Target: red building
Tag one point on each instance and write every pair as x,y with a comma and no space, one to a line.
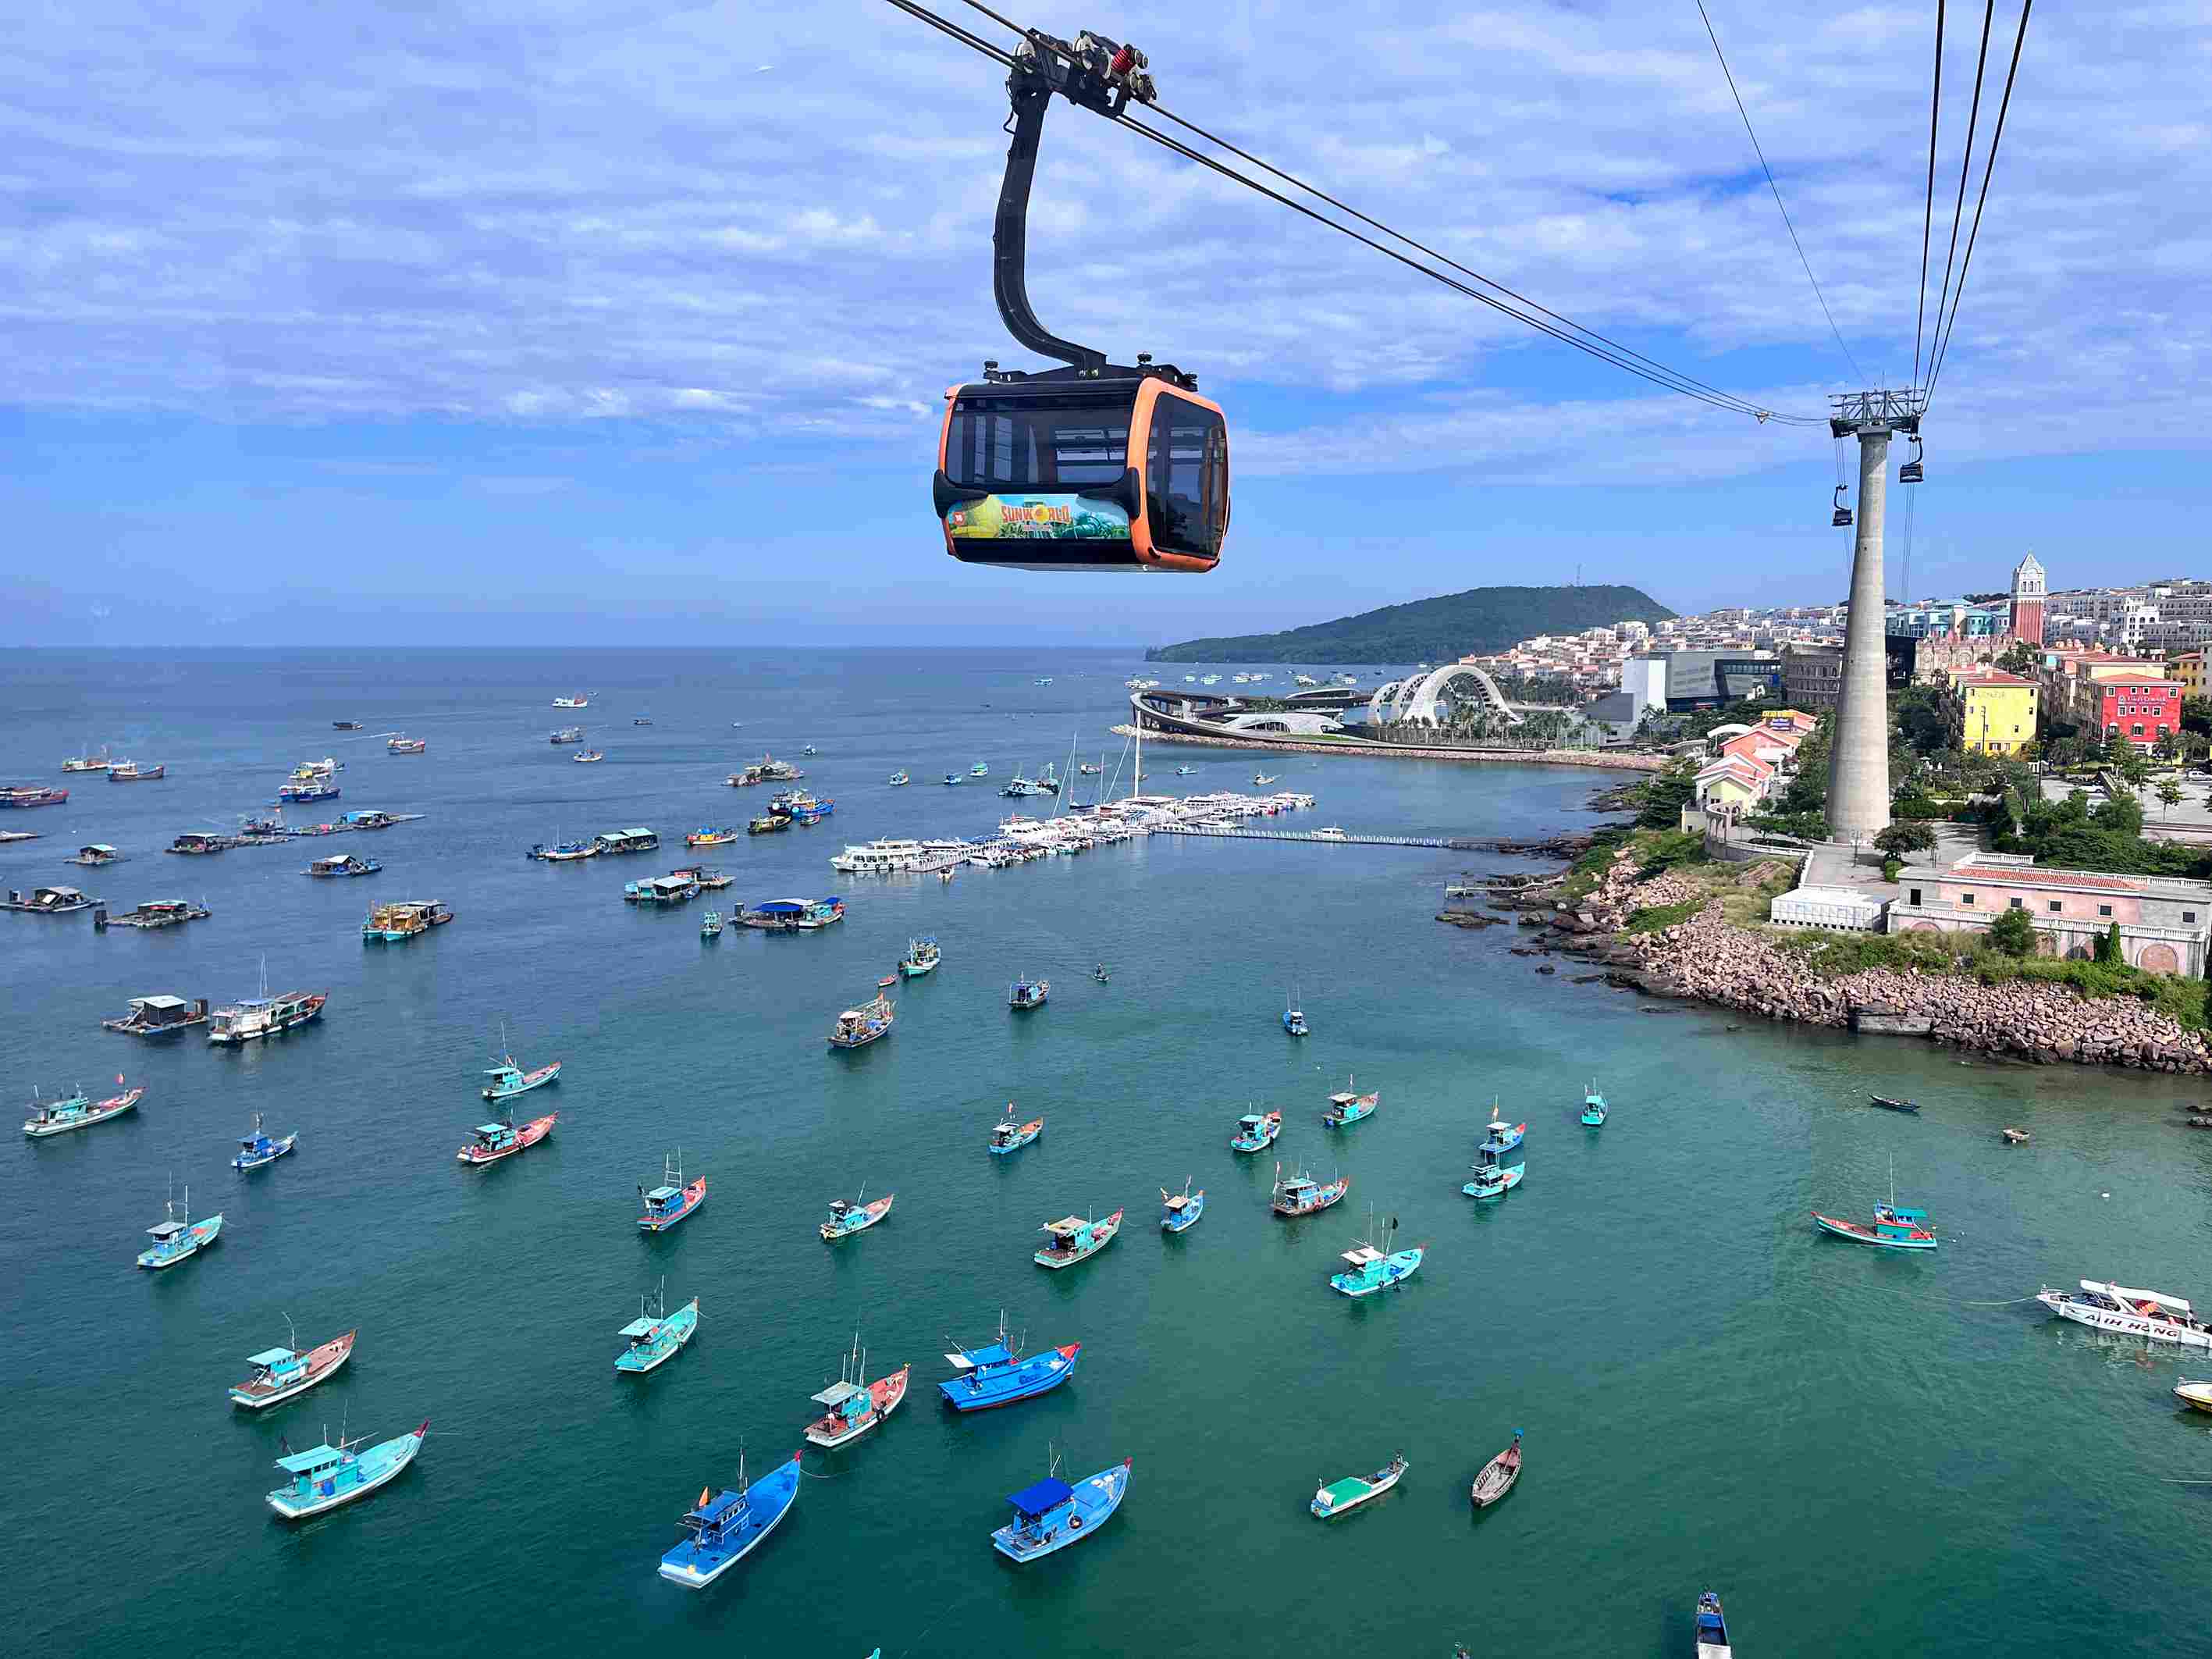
2140,710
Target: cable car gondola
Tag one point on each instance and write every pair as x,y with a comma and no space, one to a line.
1842,519
1912,472
1094,466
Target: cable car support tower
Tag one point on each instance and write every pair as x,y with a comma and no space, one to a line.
1858,761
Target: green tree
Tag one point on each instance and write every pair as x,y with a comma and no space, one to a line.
2014,933
1906,835
2018,659
2108,947
2169,794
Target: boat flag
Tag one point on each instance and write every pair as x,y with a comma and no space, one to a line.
284,1444
703,1496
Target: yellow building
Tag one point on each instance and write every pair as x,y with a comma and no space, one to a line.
1993,711
2189,669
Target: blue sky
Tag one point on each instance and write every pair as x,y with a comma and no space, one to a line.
592,321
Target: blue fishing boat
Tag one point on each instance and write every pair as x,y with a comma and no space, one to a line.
1893,1229
258,1149
1301,1194
1368,1269
979,770
846,1219
656,1335
1498,1161
1347,1108
674,1199
951,779
1011,1137
900,780
1294,1021
508,1080
174,1240
1052,1515
281,1373
710,924
327,1476
79,1111
1074,1238
856,1028
1256,1132
812,809
565,851
997,1375
1024,993
920,958
1592,1107
1179,1211
725,1526
1712,1628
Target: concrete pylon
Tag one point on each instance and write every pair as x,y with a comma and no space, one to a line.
1858,762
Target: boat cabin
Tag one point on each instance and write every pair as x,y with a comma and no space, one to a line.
845,1402
154,913
158,1016
275,1369
165,1235
662,889
1364,1256
629,841
641,1331
200,840
50,901
492,1136
97,851
317,1466
661,1200
368,819
1038,1502
343,864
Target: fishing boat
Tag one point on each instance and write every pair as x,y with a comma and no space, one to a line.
1593,1107
395,924
856,1028
1884,1101
710,924
900,780
814,914
1100,975
1009,1136
49,900
673,1199
852,1406
656,1335
341,863
952,779
996,1374
264,1015
768,824
508,1080
1185,771
1179,1211
1368,1269
81,1111
2151,1315
258,1149
493,1141
1499,1162
1256,1132
846,1219
328,1476
95,854
1893,1229
1024,993
345,725
131,772
1301,1194
728,1526
1075,1238
401,745
587,757
159,1016
712,835
1262,778
1294,1017
580,701
565,735
175,1241
279,1374
300,791
637,840
920,958
566,851
95,761
2015,1137
640,719
979,770
152,913
1052,1515
1347,1108
1332,1498
2198,1394
31,794
1496,1477
1712,1628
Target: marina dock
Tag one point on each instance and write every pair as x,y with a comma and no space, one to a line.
1342,838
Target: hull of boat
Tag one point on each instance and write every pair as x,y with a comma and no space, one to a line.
1512,1179
2198,1394
1039,1375
1093,1502
397,1454
537,1080
1238,1144
527,1136
1020,1140
1345,1119
323,1363
916,969
1401,1266
695,1565
886,1395
1068,1258
1496,1480
2126,1324
1182,1220
680,1327
1860,1234
1333,1500
1323,1198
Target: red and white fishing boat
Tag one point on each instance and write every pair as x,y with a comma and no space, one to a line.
495,1141
54,1117
674,1199
851,1406
280,1373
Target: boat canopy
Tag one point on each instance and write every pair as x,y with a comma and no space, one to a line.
837,1394
660,1195
1043,1498
990,1353
781,907
639,1328
160,1005
490,1131
163,1231
2172,1302
1365,1255
96,847
270,1358
1067,1223
306,1462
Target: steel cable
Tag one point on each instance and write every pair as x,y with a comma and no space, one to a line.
1928,209
1996,137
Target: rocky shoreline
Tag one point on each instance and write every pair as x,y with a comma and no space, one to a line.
1706,958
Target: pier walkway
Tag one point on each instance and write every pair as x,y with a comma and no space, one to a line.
1348,838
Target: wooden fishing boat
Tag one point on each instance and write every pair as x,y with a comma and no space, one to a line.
1367,1269
79,1111
495,1141
1893,1229
341,863
1499,1162
1497,1475
846,1219
1076,1238
281,1373
399,745
1179,1211
656,1336
710,924
1885,1102
508,1080
673,1200
1346,1108
176,1241
328,1476
1052,1515
726,1527
1301,1194
851,1406
1712,1628
256,1151
1256,1132
1024,993
1009,1136
1335,1497
997,1375
131,772
920,958
713,836
2015,1137
856,1028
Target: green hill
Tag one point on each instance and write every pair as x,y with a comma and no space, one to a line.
1451,625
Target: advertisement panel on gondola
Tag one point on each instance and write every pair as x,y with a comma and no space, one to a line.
1038,518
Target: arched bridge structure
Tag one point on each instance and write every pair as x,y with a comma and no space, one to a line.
1420,697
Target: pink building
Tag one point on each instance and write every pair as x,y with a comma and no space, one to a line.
2165,923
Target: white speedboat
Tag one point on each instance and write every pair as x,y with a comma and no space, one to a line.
2151,1315
1329,832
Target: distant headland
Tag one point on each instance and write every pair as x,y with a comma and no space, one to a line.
1440,629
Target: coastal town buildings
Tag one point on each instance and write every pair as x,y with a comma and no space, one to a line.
2102,695
1992,712
2165,923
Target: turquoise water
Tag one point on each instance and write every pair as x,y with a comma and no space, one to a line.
1865,1453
